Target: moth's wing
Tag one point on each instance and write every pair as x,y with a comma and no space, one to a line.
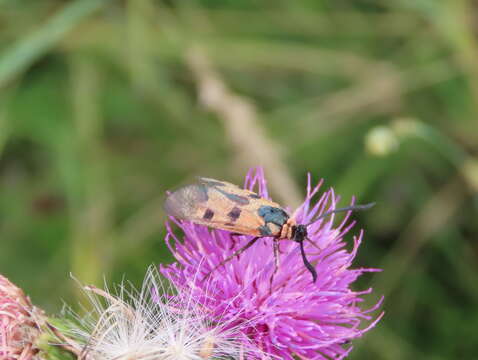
184,202
214,182
224,206
233,189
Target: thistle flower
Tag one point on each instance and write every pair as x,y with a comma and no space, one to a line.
18,323
292,317
152,324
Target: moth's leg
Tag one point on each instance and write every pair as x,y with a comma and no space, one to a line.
236,253
314,245
279,250
233,240
276,256
276,262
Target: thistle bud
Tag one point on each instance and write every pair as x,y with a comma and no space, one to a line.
19,321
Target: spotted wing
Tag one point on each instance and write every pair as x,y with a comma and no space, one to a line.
220,205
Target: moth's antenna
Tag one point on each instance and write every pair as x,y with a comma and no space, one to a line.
307,264
347,208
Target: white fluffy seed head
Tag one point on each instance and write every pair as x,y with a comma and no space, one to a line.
150,324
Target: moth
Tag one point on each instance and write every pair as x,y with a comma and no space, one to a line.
222,205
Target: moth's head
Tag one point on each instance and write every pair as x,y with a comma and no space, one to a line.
299,233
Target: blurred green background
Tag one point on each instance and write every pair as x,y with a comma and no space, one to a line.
104,105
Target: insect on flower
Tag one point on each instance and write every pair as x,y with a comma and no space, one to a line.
222,205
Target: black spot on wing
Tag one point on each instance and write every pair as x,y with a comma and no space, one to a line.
234,214
211,182
238,199
254,196
208,214
241,200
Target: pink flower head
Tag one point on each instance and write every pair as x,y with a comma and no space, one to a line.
18,330
293,316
